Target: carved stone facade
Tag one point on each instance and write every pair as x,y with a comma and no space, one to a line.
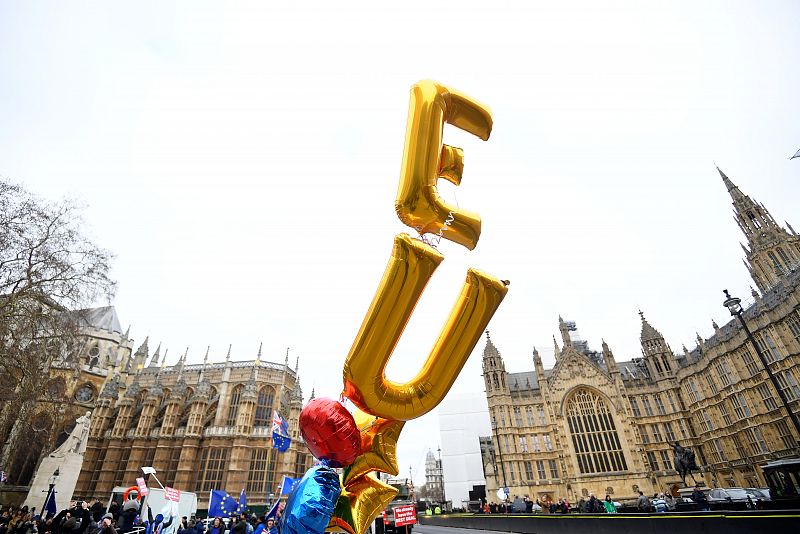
202,426
592,425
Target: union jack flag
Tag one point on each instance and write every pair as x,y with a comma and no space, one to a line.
280,433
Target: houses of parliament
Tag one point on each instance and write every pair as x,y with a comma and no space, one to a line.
591,424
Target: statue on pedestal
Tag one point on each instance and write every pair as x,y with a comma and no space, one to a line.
76,442
685,462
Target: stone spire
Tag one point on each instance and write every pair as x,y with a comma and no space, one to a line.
730,186
157,389
140,356
251,388
772,252
658,356
205,363
648,332
180,385
608,357
228,356
556,349
111,388
127,334
204,384
156,355
537,360
564,329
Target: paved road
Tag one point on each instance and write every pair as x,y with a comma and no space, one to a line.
430,529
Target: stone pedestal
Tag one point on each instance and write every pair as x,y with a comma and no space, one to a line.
69,467
68,459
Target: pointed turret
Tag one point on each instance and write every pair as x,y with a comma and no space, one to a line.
772,252
608,357
658,355
141,354
111,389
564,329
494,369
538,366
156,355
251,388
228,356
556,349
730,186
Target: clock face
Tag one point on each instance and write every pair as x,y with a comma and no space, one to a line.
84,393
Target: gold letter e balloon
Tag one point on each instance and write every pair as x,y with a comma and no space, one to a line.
384,405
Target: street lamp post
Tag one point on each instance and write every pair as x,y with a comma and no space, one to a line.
441,474
499,452
52,484
734,306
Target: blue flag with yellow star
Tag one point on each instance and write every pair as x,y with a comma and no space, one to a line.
222,504
242,507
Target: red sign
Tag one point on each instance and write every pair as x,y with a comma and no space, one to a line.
172,494
142,487
405,515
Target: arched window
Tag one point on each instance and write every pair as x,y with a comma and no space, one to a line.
594,435
233,405
784,257
266,396
775,263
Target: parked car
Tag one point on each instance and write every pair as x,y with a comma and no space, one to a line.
732,495
761,493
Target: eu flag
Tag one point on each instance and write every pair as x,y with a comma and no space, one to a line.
280,433
50,505
242,507
288,484
222,504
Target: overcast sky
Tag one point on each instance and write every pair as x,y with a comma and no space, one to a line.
242,161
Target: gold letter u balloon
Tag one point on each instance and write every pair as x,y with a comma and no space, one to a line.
413,262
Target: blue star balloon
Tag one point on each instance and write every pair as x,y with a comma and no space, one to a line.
311,503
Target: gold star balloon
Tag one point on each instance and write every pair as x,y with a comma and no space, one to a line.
362,499
378,446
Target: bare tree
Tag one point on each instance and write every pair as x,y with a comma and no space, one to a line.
49,271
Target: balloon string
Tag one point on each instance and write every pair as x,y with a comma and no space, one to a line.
437,238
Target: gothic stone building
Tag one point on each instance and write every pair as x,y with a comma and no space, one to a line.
202,426
594,425
70,392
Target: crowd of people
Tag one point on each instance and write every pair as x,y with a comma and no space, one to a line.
658,503
82,518
78,518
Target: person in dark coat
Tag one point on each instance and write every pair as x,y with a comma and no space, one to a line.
216,527
241,526
699,497
97,510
